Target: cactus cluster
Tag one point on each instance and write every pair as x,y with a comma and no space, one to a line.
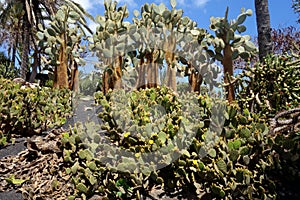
270,87
61,41
157,35
237,164
31,110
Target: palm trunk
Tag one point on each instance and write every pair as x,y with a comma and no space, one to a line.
34,67
263,28
25,50
14,52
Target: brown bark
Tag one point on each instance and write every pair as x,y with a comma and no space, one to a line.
228,71
151,79
105,82
141,75
117,75
25,49
263,28
74,82
61,71
195,80
170,58
34,67
155,74
112,77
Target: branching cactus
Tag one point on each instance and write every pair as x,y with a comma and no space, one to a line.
109,43
228,45
176,35
61,42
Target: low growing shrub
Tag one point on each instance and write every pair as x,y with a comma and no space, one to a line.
231,165
31,110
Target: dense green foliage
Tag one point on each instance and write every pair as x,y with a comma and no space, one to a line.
240,163
30,110
270,87
156,137
6,68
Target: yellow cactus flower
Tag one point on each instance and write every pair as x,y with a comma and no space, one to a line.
195,162
151,142
126,134
137,155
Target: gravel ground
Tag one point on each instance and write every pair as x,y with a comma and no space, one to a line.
12,150
11,195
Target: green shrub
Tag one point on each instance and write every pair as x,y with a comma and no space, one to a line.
31,110
272,86
6,68
236,165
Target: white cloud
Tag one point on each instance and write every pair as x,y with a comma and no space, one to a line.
190,3
94,4
86,4
200,3
129,3
92,25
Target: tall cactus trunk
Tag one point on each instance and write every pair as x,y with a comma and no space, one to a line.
171,78
228,72
141,75
169,47
152,72
117,75
61,71
112,80
155,74
74,82
105,82
106,78
195,80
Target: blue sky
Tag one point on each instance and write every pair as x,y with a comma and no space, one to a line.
200,11
281,14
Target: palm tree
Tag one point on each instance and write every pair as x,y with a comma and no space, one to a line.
10,29
22,29
296,7
263,28
29,14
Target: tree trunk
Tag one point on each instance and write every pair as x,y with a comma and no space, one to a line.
141,75
61,72
105,82
152,72
34,67
117,75
263,28
195,80
169,47
25,50
172,78
14,52
74,82
228,72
